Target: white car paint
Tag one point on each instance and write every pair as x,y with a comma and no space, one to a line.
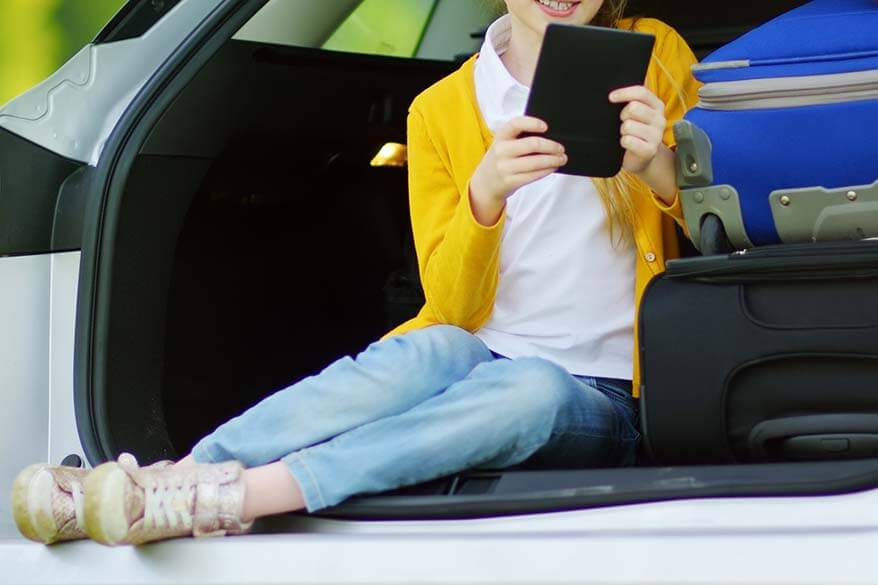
63,436
37,321
765,540
24,372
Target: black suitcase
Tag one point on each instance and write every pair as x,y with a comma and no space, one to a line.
765,355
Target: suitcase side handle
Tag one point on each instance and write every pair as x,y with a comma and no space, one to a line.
694,156
701,199
828,436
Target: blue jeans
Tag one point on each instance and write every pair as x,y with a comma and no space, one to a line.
423,405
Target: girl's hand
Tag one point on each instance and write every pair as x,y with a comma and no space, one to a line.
643,126
511,163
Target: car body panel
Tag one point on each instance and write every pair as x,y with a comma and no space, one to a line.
63,436
764,540
24,375
36,365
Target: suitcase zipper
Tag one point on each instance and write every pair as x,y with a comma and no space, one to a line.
856,259
787,92
869,247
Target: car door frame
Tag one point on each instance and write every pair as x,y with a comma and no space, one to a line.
99,226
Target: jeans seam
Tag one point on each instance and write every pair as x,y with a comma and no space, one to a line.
626,414
313,479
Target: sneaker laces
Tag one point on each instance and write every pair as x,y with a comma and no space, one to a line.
167,503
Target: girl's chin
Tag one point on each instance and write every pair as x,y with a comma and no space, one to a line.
552,13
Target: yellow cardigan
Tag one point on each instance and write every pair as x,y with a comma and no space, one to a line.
459,259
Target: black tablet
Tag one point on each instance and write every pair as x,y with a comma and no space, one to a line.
577,69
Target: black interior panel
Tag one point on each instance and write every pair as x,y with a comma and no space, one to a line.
707,26
273,285
257,244
299,106
143,248
692,15
30,179
477,495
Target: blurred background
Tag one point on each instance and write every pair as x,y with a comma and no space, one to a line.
37,36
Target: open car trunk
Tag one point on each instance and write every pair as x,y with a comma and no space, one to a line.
253,244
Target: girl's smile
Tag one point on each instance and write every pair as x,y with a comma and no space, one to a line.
556,9
533,16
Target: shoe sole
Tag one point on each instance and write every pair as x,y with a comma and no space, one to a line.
105,518
33,523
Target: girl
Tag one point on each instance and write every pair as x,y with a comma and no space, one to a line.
523,352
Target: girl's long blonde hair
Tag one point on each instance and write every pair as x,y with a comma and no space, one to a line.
617,193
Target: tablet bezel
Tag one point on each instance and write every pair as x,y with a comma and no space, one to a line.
591,133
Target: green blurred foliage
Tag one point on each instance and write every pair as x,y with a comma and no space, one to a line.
38,36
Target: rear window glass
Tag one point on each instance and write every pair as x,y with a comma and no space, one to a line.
383,27
425,29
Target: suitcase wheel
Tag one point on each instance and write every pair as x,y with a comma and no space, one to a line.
714,239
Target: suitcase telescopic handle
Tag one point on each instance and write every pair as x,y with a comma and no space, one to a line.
825,436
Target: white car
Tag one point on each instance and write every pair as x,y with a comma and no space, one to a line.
189,221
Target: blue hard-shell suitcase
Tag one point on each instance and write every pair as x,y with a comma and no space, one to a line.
783,145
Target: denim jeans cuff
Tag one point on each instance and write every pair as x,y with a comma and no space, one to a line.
308,484
201,453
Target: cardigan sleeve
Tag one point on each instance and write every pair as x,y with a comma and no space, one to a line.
671,79
458,258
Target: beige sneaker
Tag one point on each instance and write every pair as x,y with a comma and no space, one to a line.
47,500
128,505
47,503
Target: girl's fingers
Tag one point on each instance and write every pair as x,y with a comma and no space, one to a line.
642,112
523,179
637,93
639,147
642,131
534,163
529,145
519,125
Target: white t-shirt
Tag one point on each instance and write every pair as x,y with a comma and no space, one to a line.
566,293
